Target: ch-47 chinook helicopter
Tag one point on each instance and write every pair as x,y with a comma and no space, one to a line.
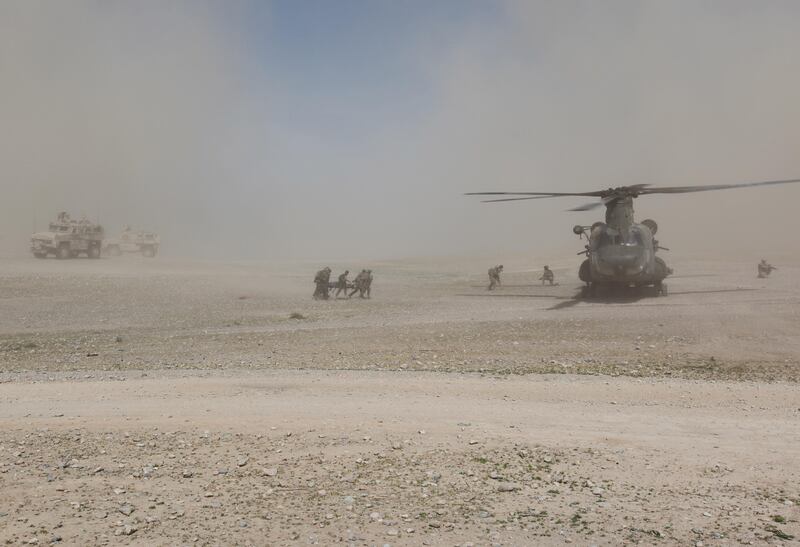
621,252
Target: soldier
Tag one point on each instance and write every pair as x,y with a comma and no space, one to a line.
321,280
368,284
547,275
764,268
358,284
341,285
494,276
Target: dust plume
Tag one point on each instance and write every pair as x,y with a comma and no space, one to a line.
174,118
139,113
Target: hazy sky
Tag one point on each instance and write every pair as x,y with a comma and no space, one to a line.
351,128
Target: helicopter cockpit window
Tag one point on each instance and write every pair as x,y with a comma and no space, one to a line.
633,238
603,237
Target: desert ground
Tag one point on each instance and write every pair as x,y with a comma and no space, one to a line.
181,402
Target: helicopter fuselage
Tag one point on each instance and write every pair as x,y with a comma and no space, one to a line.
621,251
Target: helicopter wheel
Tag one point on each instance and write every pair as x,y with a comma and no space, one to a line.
660,288
588,290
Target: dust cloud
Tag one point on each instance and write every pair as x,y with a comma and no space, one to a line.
169,117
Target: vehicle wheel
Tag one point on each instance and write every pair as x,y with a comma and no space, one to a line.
662,270
63,252
94,251
40,255
584,272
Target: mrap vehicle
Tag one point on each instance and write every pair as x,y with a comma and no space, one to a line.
68,238
131,241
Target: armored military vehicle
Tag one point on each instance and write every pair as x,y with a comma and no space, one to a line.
68,238
131,241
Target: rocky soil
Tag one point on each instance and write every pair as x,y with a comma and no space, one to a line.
171,402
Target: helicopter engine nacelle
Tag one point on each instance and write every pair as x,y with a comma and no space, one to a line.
651,224
577,230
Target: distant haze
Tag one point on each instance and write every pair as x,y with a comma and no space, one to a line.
350,129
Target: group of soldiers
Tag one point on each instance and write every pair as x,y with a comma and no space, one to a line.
362,284
494,276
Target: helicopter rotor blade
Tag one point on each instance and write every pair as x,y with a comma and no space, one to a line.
587,206
598,193
612,194
513,199
709,187
595,204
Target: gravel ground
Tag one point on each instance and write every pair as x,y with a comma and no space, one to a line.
176,402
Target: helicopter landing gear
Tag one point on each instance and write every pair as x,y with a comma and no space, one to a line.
661,288
589,290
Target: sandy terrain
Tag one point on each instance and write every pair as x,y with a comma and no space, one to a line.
176,402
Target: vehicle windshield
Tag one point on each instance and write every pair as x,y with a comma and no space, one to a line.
609,236
632,238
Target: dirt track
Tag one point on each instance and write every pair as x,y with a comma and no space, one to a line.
183,395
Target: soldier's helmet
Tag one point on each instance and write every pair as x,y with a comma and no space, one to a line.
500,267
547,267
347,272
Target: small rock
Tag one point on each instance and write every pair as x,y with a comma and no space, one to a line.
271,471
242,461
187,474
126,510
508,487
392,532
